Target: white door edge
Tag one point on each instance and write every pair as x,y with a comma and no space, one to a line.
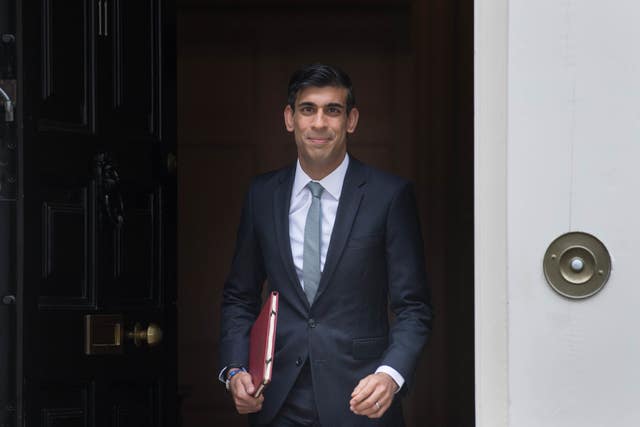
490,181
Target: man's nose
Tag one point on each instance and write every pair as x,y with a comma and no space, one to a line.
319,120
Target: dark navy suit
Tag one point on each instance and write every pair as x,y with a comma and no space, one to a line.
375,260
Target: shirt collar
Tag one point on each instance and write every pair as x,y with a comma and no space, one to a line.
332,183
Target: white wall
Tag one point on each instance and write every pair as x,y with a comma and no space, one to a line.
572,163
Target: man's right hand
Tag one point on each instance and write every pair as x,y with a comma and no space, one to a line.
242,390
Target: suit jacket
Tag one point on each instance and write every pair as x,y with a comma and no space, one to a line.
374,261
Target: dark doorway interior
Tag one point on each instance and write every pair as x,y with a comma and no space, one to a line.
412,67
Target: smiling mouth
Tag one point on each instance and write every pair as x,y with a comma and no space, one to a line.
318,140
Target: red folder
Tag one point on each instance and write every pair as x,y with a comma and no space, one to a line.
263,344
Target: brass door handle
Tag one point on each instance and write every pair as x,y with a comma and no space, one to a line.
152,335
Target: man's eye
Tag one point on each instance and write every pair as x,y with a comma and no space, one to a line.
306,110
334,110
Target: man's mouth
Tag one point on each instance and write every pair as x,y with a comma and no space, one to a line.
318,139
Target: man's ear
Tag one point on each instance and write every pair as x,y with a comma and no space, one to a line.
288,118
352,120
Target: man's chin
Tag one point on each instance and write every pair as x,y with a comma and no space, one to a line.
322,158
318,153
318,142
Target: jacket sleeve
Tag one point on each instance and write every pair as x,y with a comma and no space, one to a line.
408,293
241,296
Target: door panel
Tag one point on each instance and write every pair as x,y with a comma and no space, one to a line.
132,253
66,58
68,233
135,55
65,405
135,404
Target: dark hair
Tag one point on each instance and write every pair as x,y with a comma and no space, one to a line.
320,75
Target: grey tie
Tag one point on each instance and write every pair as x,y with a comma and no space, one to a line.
312,239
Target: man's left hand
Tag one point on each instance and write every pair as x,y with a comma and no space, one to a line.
373,395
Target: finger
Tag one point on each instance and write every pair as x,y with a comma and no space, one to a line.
247,407
363,382
376,411
255,405
371,407
245,403
247,383
359,407
382,394
248,404
364,388
381,411
237,387
364,391
248,400
368,406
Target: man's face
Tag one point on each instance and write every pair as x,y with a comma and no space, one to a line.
320,125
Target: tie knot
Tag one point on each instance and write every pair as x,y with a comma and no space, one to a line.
315,188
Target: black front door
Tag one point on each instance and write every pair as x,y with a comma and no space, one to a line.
96,214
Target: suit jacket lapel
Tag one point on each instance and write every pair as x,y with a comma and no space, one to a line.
350,198
281,203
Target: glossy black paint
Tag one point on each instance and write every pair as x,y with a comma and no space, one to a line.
97,78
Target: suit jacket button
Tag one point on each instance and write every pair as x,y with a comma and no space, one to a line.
312,323
299,361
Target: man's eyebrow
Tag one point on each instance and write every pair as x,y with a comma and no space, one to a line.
311,104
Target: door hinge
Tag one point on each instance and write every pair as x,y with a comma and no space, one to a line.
8,96
8,154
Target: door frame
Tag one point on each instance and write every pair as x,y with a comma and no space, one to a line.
19,246
490,205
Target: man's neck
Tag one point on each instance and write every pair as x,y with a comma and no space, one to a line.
318,172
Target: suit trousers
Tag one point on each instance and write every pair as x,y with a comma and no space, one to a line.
299,408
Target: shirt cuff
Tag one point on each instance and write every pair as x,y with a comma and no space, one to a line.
399,379
221,375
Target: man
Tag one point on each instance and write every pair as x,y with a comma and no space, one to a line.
341,243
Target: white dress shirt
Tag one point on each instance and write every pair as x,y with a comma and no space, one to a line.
300,203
